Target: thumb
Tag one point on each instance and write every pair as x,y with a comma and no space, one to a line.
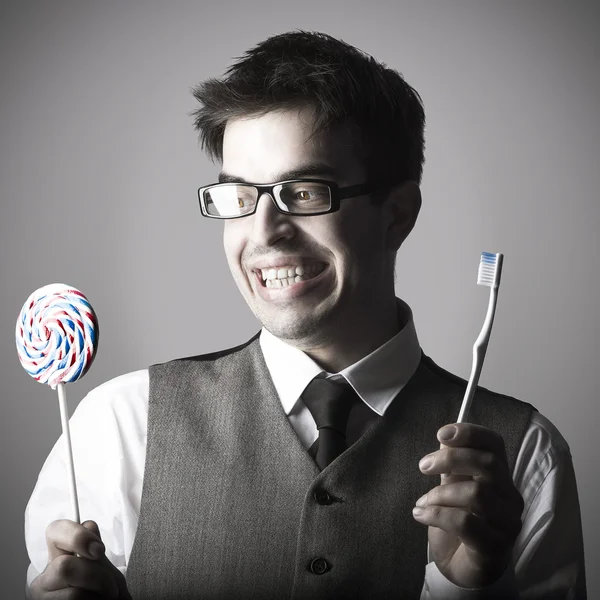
92,526
96,548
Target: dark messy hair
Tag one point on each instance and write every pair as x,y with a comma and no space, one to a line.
343,85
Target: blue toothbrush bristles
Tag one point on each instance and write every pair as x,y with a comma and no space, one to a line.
490,267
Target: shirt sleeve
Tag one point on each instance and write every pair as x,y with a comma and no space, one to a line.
548,558
108,433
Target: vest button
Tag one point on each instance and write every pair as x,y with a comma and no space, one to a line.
322,497
319,566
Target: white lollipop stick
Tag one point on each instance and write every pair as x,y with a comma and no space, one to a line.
64,417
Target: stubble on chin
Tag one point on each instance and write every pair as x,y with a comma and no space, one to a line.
304,329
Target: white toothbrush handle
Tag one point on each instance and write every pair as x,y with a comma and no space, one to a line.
479,349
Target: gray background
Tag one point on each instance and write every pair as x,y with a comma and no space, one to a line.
99,167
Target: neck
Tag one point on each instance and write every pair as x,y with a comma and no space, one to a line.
351,343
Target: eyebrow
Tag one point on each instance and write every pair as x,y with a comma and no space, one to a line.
309,170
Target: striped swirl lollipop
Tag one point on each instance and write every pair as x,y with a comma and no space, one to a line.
57,338
57,335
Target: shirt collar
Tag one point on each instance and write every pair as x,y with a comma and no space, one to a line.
377,378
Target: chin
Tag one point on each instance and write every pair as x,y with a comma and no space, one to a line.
289,325
289,331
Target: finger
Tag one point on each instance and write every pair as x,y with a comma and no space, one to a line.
68,594
473,531
78,572
103,560
459,464
481,500
66,537
480,464
469,435
446,478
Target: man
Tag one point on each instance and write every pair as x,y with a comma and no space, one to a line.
289,466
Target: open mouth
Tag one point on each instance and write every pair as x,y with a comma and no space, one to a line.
289,275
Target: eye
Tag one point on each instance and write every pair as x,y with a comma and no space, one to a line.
305,195
309,195
244,200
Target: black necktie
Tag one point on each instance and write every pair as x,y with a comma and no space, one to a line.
329,403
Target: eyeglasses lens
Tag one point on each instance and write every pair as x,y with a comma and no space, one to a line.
229,200
304,197
296,197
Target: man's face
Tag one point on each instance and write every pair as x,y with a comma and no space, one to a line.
342,255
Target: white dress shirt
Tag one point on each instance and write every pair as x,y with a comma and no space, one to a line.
108,432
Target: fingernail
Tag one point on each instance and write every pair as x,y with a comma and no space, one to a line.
422,500
418,512
426,463
447,433
96,549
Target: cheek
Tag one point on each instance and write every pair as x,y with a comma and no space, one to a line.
355,239
368,233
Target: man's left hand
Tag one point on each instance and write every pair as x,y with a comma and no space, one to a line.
474,516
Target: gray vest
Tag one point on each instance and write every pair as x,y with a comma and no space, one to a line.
233,506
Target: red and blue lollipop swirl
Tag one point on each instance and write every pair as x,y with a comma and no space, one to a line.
57,334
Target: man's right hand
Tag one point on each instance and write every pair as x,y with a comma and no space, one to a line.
69,577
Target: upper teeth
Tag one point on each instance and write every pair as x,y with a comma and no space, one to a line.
289,271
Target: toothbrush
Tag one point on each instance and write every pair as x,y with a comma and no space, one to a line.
490,269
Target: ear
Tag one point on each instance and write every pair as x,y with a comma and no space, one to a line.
403,205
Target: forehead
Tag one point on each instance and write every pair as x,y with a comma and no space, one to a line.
260,149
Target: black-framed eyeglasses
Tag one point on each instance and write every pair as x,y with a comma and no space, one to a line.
298,197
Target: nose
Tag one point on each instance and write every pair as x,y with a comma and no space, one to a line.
269,225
